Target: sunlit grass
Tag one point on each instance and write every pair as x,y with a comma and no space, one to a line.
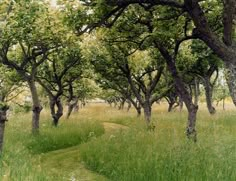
166,154
128,154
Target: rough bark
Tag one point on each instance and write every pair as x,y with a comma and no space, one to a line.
231,80
71,105
147,108
181,105
196,91
225,49
3,119
192,117
208,93
56,114
36,107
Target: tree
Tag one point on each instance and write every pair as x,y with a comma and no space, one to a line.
28,37
220,38
53,75
3,119
137,69
8,85
206,67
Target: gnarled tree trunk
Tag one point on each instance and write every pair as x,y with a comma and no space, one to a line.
3,119
208,93
36,107
147,108
56,114
71,105
196,91
231,79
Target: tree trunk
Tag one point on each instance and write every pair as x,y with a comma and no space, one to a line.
129,106
231,80
196,91
56,115
208,93
2,128
170,107
181,105
147,107
71,105
76,107
36,107
192,116
138,109
3,119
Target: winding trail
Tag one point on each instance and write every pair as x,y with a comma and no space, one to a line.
68,162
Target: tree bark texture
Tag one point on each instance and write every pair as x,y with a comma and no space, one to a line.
147,108
208,93
3,119
36,107
71,105
56,114
231,80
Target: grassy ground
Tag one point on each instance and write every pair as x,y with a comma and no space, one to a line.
79,150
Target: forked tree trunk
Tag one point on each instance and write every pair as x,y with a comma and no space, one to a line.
71,105
231,80
56,114
208,93
3,119
170,107
36,107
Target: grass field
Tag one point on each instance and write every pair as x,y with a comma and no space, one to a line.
103,143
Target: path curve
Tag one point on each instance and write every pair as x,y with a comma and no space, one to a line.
60,160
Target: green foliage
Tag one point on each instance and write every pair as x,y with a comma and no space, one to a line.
25,108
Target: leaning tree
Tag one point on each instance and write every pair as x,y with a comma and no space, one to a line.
215,25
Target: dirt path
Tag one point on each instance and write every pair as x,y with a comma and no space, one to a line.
67,161
112,127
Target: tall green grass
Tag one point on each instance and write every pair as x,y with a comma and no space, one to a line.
21,157
139,155
64,136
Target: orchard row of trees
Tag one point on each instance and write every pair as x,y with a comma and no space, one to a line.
143,50
175,34
37,48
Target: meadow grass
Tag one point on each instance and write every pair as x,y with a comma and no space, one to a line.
128,154
165,154
22,151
